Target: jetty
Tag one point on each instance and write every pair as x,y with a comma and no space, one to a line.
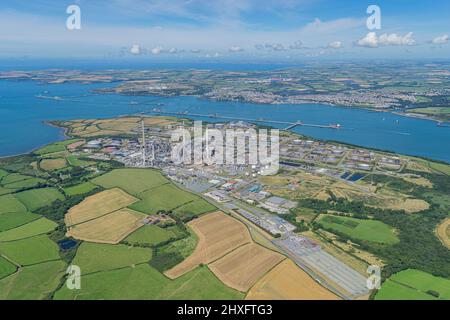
289,125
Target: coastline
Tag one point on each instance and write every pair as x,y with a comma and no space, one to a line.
49,123
202,97
61,133
369,109
394,153
418,116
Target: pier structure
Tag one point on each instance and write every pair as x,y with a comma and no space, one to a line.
290,125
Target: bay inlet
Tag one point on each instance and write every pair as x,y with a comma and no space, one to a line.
23,111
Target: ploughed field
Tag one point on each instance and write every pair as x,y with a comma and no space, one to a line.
226,247
288,282
59,208
443,232
218,235
32,222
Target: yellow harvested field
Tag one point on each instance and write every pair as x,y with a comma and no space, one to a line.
115,121
157,121
102,133
76,144
118,125
111,228
52,164
242,268
409,205
306,185
288,282
443,232
218,234
102,127
322,195
415,166
88,129
98,205
416,179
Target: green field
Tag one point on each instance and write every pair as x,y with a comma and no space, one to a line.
133,181
55,147
184,247
50,149
3,173
6,268
151,235
80,189
38,198
54,155
155,191
93,257
30,250
31,229
28,183
15,219
33,282
362,229
74,161
165,197
432,110
393,291
414,284
441,167
437,166
9,203
167,256
144,282
17,164
195,208
4,191
14,177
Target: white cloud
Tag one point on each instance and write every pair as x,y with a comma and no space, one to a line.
440,40
175,50
271,46
215,55
37,35
296,45
275,46
235,49
397,40
135,49
335,45
157,50
371,40
332,26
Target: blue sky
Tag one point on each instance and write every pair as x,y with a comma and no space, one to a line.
285,30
